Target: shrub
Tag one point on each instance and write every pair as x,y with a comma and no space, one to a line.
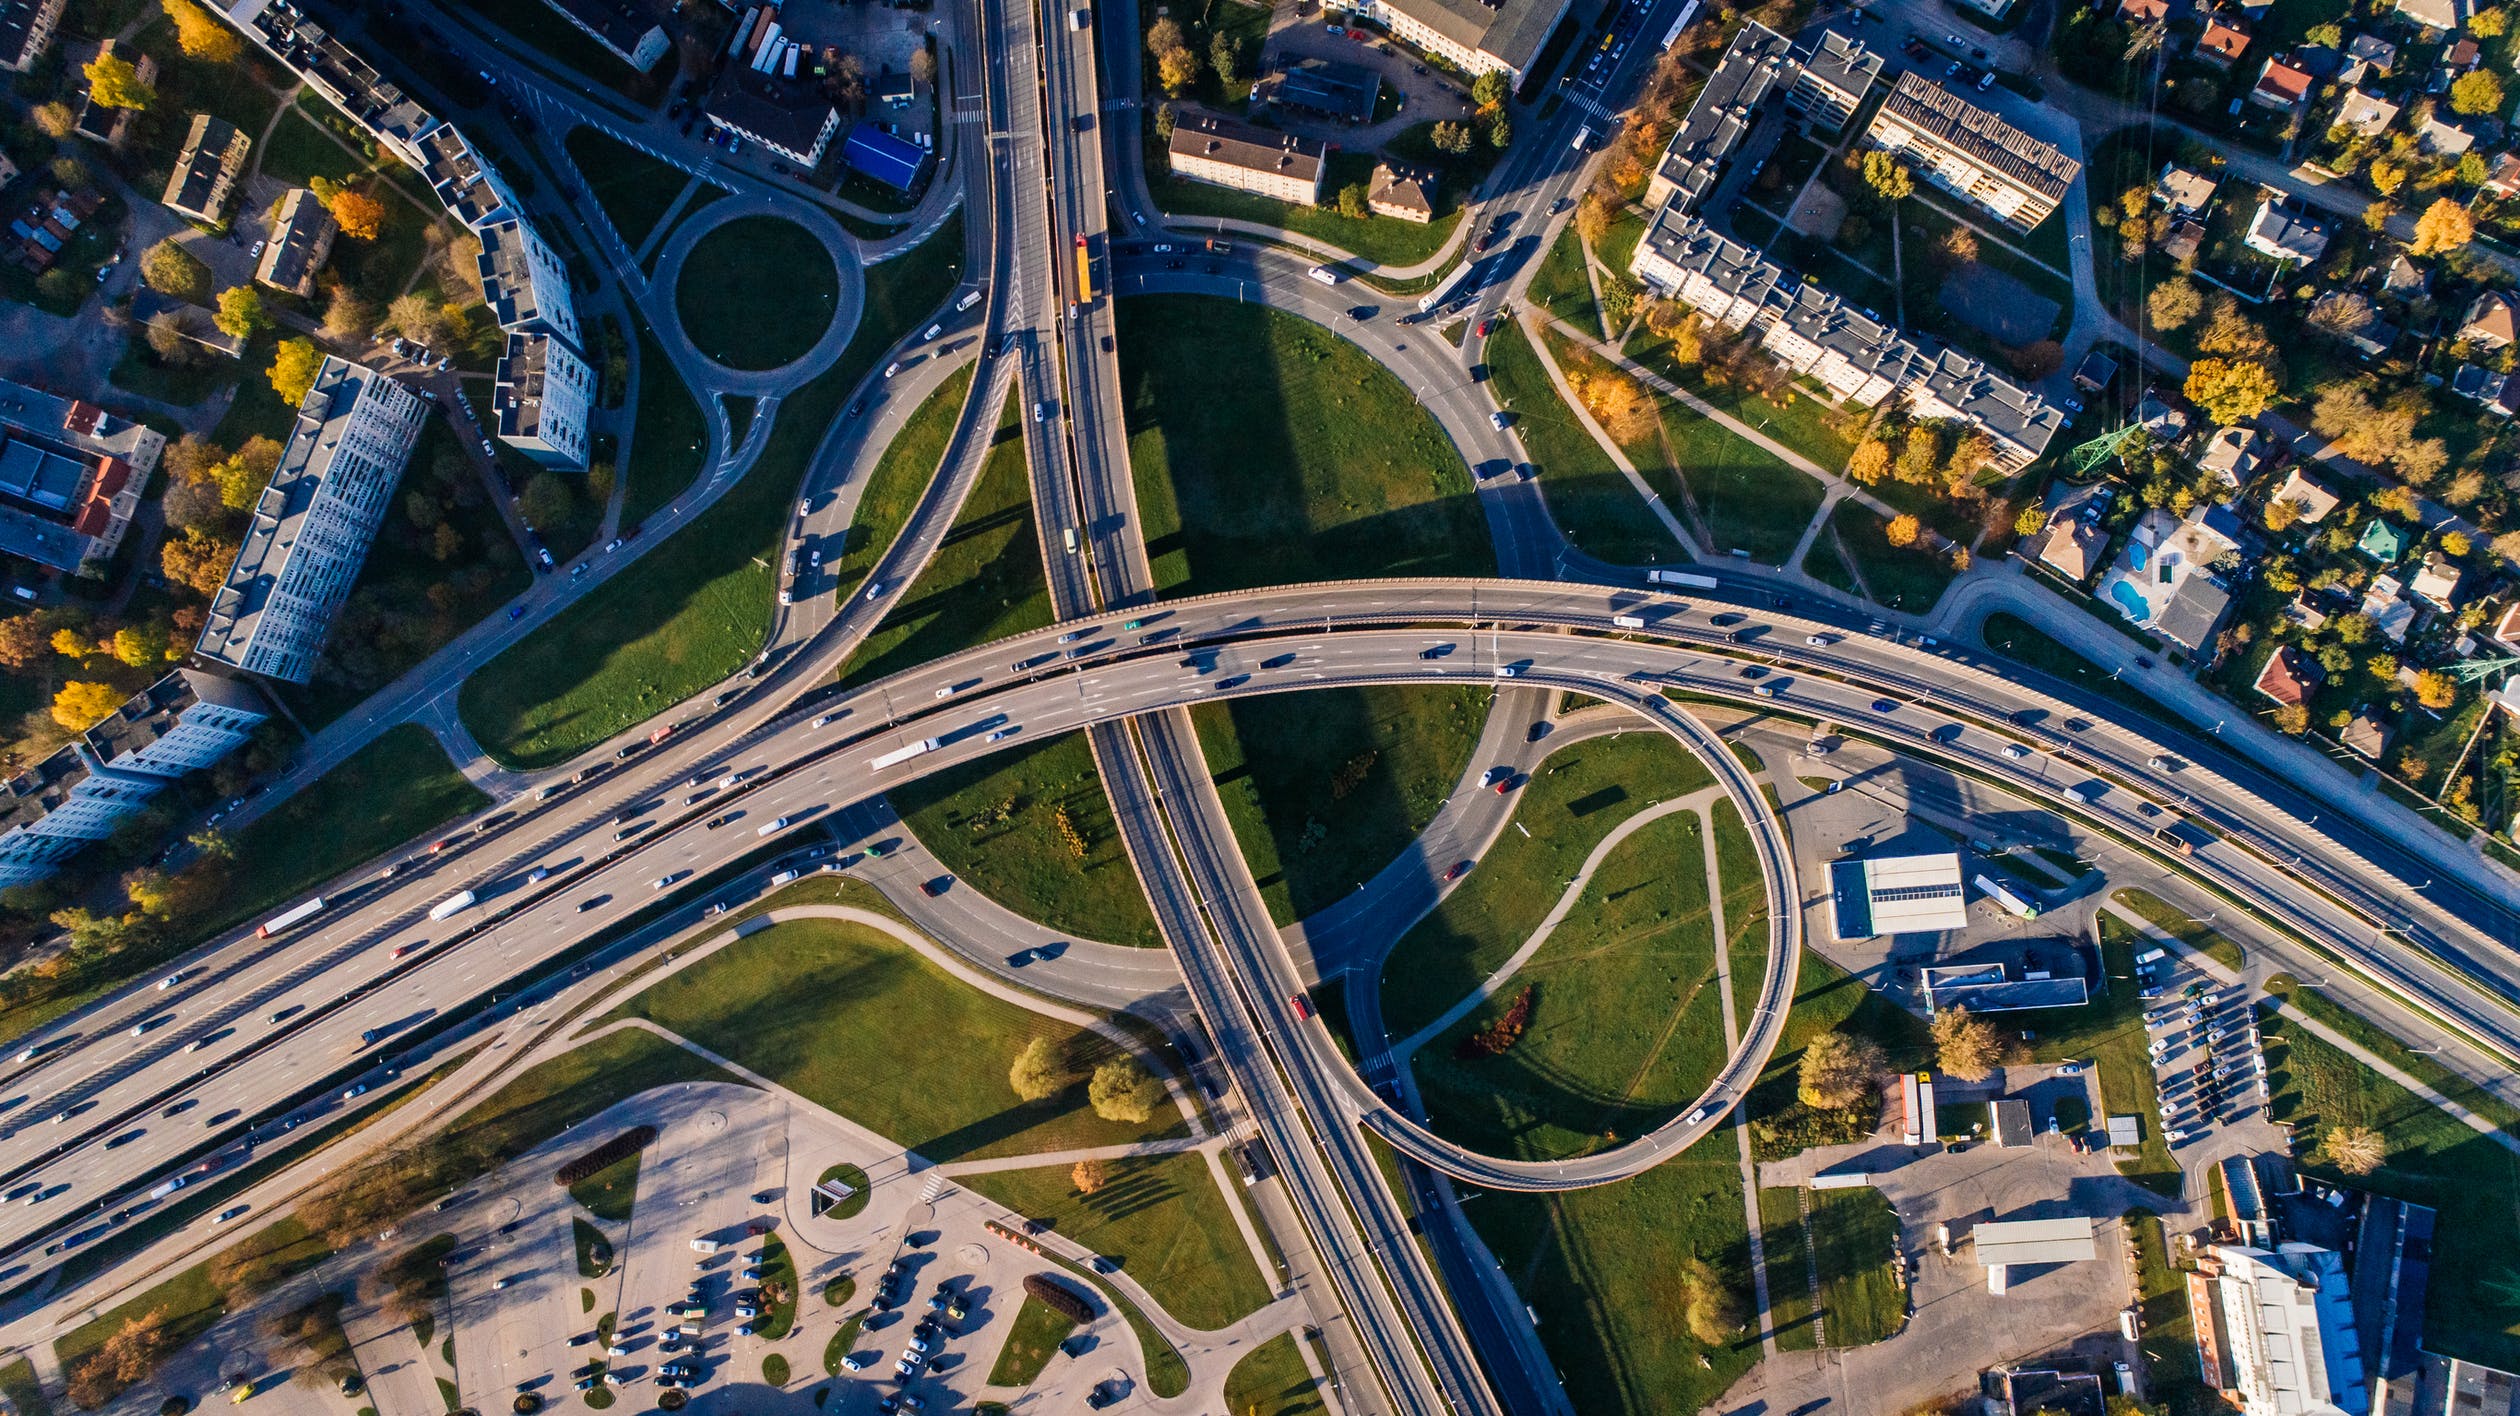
620,1147
1057,1296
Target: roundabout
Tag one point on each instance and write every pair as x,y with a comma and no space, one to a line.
768,295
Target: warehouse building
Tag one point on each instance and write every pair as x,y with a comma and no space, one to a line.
1919,894
2283,1321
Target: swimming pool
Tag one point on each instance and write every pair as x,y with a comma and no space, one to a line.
2130,600
2138,554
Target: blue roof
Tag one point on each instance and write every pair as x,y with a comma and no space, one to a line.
882,156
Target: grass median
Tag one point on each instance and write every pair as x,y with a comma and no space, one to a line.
396,789
1031,1341
1272,1380
2180,925
697,607
901,476
1589,498
1161,1218
757,293
672,438
634,189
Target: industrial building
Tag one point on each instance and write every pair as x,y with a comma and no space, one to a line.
1226,152
70,477
1896,895
1988,988
312,527
541,402
2282,1330
872,152
2005,1245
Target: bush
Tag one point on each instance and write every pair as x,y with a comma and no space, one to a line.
620,1147
1057,1296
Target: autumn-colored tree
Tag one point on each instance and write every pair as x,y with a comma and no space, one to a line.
123,1361
55,120
25,641
1902,530
2281,513
1037,1073
1619,403
2435,689
1837,1070
1122,1090
293,368
360,216
1165,34
69,643
114,83
200,35
1178,69
2031,521
2292,718
241,314
2488,23
1871,460
1965,1045
2475,92
1089,1175
2356,1150
2386,176
80,706
171,270
2445,225
2456,544
2396,501
1593,216
1887,176
2230,390
243,474
1958,247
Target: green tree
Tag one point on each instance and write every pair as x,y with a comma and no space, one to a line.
1225,56
114,83
1122,1090
2230,390
1887,176
546,500
2476,91
1489,90
241,313
293,368
1037,1073
1352,201
1450,137
172,271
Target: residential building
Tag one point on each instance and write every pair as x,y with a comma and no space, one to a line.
2095,372
206,171
2282,85
884,157
2437,580
26,31
2492,320
1227,152
2185,193
2435,14
2384,602
542,401
2442,139
2230,453
626,33
2368,734
2282,233
468,187
2378,56
2352,319
1992,9
2071,547
2222,41
2498,392
2365,113
2290,677
2502,175
312,526
2311,502
2185,240
301,236
2142,12
352,83
183,723
793,121
2382,541
1968,151
2462,55
1482,36
70,477
1344,92
2166,578
101,123
1757,64
1407,193
1832,76
2286,1322
2405,280
43,228
522,279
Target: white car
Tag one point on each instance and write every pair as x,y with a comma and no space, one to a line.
2174,1135
854,1362
934,330
825,718
892,368
1817,641
2015,751
946,692
1000,735
778,825
874,589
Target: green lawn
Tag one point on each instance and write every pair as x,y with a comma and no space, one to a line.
397,788
1162,1218
1745,908
1269,1380
778,1269
188,1303
1785,1246
2180,925
1573,801
1561,285
1310,462
1591,500
2169,1335
2423,1067
1384,240
609,1193
757,293
1603,1266
1749,498
1325,788
634,189
2016,638
852,1019
995,823
1802,422
594,1251
299,149
696,608
1854,1239
1031,1341
1902,577
985,580
2109,1032
669,438
900,479
1626,1026
25,1394
1826,997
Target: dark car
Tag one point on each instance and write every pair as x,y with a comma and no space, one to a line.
935,886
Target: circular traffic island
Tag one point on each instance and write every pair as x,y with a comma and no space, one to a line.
757,293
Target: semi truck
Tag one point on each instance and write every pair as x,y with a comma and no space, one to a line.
900,755
452,905
2006,896
1682,577
1453,285
290,917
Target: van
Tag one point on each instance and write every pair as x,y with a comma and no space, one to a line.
1068,535
704,1246
968,301
1583,138
1628,621
1079,18
1324,274
783,877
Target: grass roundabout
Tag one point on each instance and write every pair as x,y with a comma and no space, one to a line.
757,293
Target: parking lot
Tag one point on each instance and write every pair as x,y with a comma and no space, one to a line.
2206,1054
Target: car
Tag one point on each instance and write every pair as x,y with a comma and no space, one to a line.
1459,869
1818,641
874,590
1494,775
1986,80
1884,705
892,368
1487,326
1499,421
256,253
2069,1069
354,1093
2173,1135
999,735
1765,690
776,824
935,885
855,1362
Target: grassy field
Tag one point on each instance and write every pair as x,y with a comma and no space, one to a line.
900,478
1162,1218
995,823
1325,788
757,293
1031,1341
1745,908
2390,1049
609,1193
670,438
2109,1033
985,581
1270,1380
2177,923
1591,500
1785,1245
1854,1237
1573,801
779,1269
594,1251
1801,422
188,1303
2432,1160
2169,1341
854,1020
1562,287
1310,463
1626,1025
1826,997
696,608
1604,1268
25,1394
395,789
1384,240
1902,577
634,189
1750,499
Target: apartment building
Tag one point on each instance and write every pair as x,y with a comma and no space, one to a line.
183,723
1825,80
333,70
1227,153
466,185
1481,36
1971,153
1407,193
1833,75
543,397
26,31
70,477
207,169
301,237
625,33
526,286
313,525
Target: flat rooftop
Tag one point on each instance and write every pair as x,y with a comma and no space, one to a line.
2034,1241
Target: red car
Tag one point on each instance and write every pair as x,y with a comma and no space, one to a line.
1460,869
1301,1005
1487,326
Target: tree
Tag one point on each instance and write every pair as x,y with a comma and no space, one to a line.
2281,513
2488,24
125,1359
923,67
546,500
70,644
2342,313
1592,218
2230,390
2435,689
1712,1311
1837,1070
1089,1175
293,368
2326,36
1165,117
141,645
1966,1046
2356,1150
69,171
2031,521
1225,56
1902,530
166,337
2476,91
173,271
1179,69
202,36
419,319
1921,455
1453,138
360,216
1123,1091
1352,201
2292,718
241,313
25,640
2445,225
114,83
80,706
1037,1073
1871,459
1958,247
55,120
1164,35
2386,176
1887,176
2456,544
348,317
1489,90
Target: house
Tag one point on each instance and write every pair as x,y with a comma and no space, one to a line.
2435,14
2377,56
1343,92
2185,240
2439,139
2222,42
2367,114
2165,580
1226,152
1971,153
2071,547
2230,454
2492,320
2382,541
2366,735
1407,193
2281,85
2164,423
2350,317
2185,193
2484,385
2094,372
214,153
2290,677
2390,612
2405,279
2283,234
100,123
2461,56
2301,610
2436,581
2502,175
2142,12
2311,501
